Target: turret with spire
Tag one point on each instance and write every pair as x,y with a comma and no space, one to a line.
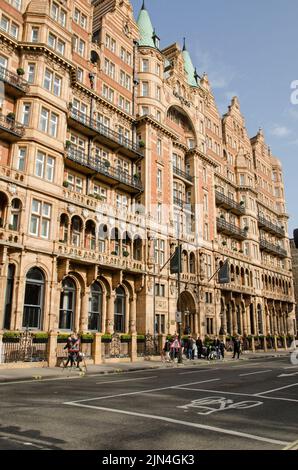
147,33
188,66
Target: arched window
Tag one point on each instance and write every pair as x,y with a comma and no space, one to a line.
119,310
103,235
67,304
34,295
260,319
184,262
115,241
3,208
95,307
126,244
90,237
252,319
192,263
76,230
63,228
137,248
15,215
8,296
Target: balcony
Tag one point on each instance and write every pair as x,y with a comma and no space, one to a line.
91,257
10,129
103,170
230,229
270,227
104,134
273,249
228,203
13,83
188,179
183,204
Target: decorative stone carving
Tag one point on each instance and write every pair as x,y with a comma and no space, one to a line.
85,213
12,189
71,209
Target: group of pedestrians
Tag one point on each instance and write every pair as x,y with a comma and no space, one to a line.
73,350
175,348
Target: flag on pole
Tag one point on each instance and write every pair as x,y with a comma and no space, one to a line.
175,262
224,273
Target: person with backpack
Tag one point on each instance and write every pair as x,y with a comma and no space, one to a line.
166,351
175,348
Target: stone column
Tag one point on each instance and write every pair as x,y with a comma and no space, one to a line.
20,295
133,315
1,345
110,313
52,349
96,349
253,344
197,324
275,342
83,318
133,348
104,312
284,338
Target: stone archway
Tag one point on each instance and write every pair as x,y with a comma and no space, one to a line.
187,306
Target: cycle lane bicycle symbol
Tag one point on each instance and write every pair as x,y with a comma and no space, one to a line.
213,404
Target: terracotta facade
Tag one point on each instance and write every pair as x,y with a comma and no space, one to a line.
110,157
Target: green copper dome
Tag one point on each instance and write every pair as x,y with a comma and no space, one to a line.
145,28
188,67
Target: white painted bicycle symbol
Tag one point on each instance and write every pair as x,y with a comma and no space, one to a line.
210,405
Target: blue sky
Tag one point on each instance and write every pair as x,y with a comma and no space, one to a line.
249,49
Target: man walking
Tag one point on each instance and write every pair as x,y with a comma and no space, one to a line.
237,345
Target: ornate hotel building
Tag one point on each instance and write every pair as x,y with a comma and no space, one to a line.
112,151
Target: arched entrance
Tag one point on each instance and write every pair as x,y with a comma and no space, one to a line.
186,305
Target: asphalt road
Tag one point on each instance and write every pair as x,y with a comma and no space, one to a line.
221,406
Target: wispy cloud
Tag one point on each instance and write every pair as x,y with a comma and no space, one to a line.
280,131
220,73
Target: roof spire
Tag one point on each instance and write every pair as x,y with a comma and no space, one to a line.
143,6
184,45
145,28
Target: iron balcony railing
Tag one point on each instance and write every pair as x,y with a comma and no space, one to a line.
104,168
11,125
183,174
270,227
13,79
270,248
105,131
230,229
183,204
229,203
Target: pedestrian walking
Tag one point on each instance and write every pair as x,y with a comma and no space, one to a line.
199,344
166,351
222,349
237,347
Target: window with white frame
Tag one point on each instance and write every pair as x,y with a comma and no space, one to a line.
7,25
40,219
100,191
145,89
75,183
48,122
56,43
21,159
44,166
31,73
145,65
159,147
110,43
121,201
52,82
159,179
58,14
26,111
34,34
159,251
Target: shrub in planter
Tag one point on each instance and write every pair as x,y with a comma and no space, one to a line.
11,337
107,163
125,338
40,337
10,117
67,143
65,184
125,253
141,144
106,338
20,71
140,338
114,253
62,337
86,338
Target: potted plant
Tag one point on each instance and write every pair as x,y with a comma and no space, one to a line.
62,337
125,253
246,228
11,337
222,216
65,184
20,71
114,253
240,251
125,338
106,338
241,203
224,243
141,144
67,143
40,337
140,338
10,117
86,338
107,163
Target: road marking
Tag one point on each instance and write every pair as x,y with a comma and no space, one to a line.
234,393
259,372
288,375
209,405
128,380
184,423
140,392
275,389
290,367
197,371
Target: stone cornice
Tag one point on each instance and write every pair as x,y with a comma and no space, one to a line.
148,119
204,157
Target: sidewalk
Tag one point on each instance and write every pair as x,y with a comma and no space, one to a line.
39,373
